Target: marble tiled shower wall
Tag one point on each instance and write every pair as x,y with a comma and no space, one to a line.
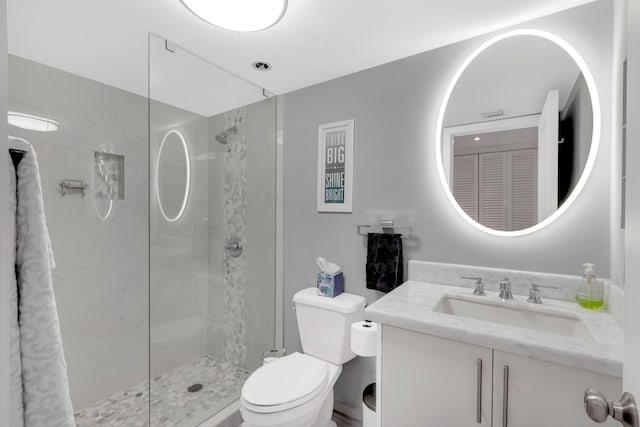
234,289
101,279
241,300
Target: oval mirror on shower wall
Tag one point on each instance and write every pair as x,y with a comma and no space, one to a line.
173,175
518,132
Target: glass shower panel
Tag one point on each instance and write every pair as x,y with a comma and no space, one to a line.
212,234
94,176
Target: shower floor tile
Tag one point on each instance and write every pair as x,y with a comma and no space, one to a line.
171,403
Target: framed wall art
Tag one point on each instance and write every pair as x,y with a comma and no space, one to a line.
335,166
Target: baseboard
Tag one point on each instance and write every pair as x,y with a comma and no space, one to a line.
348,411
229,416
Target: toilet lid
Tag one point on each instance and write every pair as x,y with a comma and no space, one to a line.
296,378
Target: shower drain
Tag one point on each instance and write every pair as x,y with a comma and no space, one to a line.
194,387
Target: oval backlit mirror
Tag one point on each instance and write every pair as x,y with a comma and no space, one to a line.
173,175
518,132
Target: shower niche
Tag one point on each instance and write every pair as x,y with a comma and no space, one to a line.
108,175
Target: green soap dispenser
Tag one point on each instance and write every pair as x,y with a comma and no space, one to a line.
590,292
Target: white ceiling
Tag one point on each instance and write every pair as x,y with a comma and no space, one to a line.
513,76
184,80
466,143
317,40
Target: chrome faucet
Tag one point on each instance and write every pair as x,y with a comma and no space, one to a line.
534,293
505,289
479,290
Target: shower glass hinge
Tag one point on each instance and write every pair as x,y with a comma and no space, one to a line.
170,46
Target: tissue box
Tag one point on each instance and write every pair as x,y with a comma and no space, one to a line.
330,285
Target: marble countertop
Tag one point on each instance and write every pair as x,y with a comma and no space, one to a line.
411,306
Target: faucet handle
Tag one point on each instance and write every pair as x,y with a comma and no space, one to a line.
479,290
534,293
505,289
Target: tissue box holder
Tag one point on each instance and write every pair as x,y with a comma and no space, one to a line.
330,285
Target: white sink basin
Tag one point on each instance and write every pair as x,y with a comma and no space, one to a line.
512,314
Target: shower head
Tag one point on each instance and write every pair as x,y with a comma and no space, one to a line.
222,136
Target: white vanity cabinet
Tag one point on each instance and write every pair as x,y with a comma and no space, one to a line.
428,381
542,393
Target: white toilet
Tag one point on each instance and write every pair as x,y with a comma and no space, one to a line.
297,390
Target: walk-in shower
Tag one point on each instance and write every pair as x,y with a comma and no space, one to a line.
161,322
212,272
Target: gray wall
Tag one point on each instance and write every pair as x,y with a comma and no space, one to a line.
215,341
632,282
395,108
4,268
617,252
261,231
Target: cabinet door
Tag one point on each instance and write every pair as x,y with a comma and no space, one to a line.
465,183
431,381
493,191
544,393
523,191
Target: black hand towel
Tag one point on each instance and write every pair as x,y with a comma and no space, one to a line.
384,261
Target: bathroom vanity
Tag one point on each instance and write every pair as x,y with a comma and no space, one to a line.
450,358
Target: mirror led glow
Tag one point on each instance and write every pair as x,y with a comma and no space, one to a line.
188,176
29,122
238,15
107,214
595,138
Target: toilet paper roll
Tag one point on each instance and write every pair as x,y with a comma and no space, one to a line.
364,338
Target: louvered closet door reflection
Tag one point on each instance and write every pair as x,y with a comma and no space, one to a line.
493,190
524,185
465,183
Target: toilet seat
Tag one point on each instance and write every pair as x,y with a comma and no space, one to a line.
285,383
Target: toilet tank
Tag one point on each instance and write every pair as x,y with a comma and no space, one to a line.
324,324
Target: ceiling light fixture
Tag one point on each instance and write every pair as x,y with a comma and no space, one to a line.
238,15
477,138
29,122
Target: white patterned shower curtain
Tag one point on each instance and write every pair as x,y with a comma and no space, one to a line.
39,384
